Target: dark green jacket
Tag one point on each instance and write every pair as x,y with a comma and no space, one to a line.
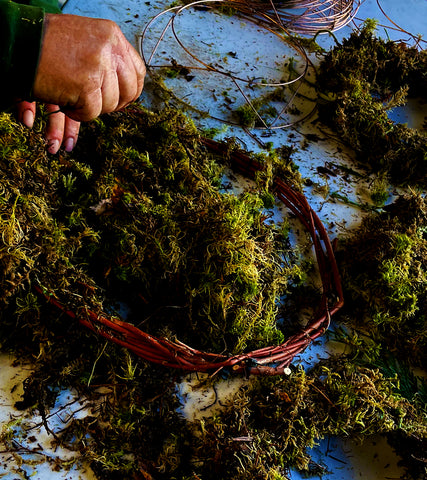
21,30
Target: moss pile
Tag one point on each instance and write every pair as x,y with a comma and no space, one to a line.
135,216
360,81
384,267
277,420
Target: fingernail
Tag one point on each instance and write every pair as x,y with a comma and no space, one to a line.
28,118
53,147
69,144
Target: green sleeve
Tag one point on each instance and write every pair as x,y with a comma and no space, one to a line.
50,6
21,31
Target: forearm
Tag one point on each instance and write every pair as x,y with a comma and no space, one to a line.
21,32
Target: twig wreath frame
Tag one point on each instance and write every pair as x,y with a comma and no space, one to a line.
273,360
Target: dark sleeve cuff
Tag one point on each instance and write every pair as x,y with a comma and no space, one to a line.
49,6
20,42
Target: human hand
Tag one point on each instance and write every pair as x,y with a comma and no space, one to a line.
60,129
87,67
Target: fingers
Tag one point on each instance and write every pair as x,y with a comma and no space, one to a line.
121,87
26,113
140,71
60,130
111,93
123,84
130,77
54,128
71,133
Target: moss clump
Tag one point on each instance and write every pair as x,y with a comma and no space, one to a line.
255,114
384,267
363,79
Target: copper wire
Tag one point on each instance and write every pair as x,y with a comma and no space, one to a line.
269,19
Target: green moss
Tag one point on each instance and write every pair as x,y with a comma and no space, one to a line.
385,273
364,78
135,213
259,111
379,191
275,421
